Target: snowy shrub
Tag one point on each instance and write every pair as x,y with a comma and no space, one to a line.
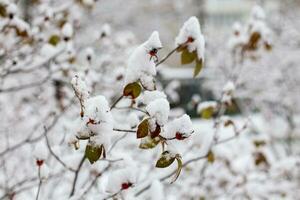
85,115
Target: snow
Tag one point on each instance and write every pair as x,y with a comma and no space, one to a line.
182,125
12,8
105,30
207,104
156,191
88,2
268,85
256,24
237,27
196,98
67,30
97,122
118,177
80,87
159,110
44,172
153,42
149,96
170,73
148,82
98,110
81,130
171,91
229,87
140,66
101,139
191,29
133,120
20,24
40,151
89,53
258,13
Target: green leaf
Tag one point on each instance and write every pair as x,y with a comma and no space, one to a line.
93,153
133,90
210,157
165,160
143,129
54,40
198,67
207,113
187,57
179,167
149,143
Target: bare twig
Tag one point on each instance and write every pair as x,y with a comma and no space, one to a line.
95,180
26,86
167,56
52,152
33,140
115,103
40,183
124,130
76,176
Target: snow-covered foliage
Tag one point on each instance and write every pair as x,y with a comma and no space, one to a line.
159,109
190,35
180,128
141,64
86,116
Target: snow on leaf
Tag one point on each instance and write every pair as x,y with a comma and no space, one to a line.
141,63
182,125
149,96
190,36
159,110
207,109
165,160
148,142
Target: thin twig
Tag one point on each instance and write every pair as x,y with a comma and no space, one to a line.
40,183
115,103
76,175
167,56
54,155
95,180
33,140
124,130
